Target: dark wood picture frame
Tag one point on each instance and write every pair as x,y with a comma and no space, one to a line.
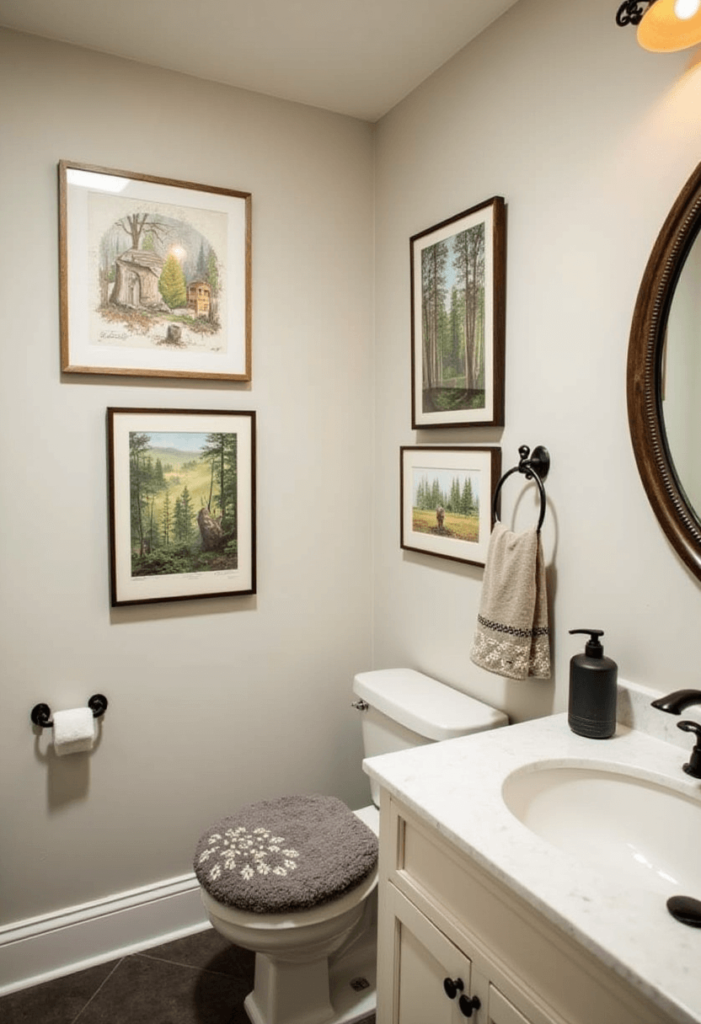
458,319
446,495
678,518
154,275
182,504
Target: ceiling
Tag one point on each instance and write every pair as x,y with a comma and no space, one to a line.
356,57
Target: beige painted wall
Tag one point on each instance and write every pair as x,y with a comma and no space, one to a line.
212,703
589,140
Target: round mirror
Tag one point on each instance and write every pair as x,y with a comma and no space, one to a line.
664,376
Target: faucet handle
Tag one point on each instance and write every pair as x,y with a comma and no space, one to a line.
693,766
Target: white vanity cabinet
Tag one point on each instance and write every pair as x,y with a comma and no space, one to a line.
442,916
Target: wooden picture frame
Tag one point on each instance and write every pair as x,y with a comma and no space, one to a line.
182,504
154,276
458,317
446,500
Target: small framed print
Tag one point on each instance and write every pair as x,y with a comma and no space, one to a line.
182,504
446,500
155,276
458,283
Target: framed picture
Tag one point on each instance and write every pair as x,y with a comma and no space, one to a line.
182,504
446,500
458,280
155,276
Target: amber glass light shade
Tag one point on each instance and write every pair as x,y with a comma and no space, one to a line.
665,27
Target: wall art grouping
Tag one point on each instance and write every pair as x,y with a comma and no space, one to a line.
155,276
155,281
458,321
182,504
458,280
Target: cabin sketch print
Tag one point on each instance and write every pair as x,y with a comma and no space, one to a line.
154,275
184,509
457,278
157,275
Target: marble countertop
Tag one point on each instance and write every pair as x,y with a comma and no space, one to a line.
456,787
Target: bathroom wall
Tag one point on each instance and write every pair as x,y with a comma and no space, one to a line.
589,139
213,703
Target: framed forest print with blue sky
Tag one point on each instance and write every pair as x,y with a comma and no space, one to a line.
182,504
458,280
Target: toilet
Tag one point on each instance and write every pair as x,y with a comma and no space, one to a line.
313,926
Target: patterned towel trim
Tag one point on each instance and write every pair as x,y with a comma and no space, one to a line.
515,657
513,630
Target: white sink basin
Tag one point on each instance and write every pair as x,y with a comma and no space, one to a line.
643,833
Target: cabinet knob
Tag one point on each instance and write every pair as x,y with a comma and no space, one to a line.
468,1005
453,987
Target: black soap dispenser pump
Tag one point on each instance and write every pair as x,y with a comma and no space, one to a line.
593,690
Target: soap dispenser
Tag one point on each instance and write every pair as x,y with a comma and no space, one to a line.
593,690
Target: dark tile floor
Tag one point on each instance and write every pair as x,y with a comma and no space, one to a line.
201,979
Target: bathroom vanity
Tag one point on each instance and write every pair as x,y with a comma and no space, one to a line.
486,914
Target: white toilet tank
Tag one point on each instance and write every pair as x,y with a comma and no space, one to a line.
405,709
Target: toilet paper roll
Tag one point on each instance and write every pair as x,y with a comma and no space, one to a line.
74,731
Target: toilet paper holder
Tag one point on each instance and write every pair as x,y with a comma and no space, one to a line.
41,713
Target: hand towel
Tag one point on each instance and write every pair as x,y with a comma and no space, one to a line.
512,637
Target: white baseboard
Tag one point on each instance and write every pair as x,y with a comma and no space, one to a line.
41,948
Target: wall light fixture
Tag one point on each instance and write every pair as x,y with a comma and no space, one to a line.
663,25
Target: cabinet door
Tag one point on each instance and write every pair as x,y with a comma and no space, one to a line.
424,960
501,1011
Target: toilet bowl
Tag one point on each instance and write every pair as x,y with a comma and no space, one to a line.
312,966
316,964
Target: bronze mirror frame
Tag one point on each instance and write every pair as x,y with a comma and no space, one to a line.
645,361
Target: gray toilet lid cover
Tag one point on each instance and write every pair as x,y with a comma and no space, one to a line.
288,854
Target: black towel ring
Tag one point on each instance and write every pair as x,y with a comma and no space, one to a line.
534,468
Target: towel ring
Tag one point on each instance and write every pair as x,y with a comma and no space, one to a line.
534,468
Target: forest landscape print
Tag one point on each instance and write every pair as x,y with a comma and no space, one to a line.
182,504
456,326
446,496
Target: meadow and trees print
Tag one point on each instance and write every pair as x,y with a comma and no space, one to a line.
183,502
182,492
454,271
446,503
446,496
155,275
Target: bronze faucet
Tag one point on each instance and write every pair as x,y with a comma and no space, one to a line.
674,703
